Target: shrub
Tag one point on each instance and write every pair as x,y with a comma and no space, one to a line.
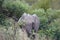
2,18
49,22
6,22
46,17
45,4
15,7
54,28
1,2
52,14
55,25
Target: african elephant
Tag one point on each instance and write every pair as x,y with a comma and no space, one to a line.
31,23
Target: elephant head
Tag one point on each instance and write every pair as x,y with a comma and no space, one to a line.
31,23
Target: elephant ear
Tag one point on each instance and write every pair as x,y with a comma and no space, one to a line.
36,18
36,22
21,21
34,15
22,18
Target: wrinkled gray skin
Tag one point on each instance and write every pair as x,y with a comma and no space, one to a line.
31,23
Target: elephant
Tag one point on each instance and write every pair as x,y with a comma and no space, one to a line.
31,22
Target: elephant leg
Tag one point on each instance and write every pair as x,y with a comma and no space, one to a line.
29,31
35,28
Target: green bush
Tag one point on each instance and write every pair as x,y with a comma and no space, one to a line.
1,2
15,7
54,28
55,25
45,4
52,14
6,22
46,17
2,18
49,22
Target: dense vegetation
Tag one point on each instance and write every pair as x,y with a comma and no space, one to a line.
11,10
